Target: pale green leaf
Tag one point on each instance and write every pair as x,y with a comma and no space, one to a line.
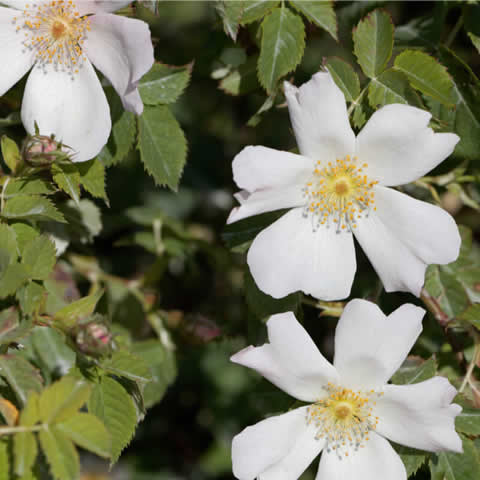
162,144
92,178
20,375
414,371
412,458
283,43
60,454
471,315
345,77
30,207
25,234
71,314
88,432
62,399
124,364
28,186
30,297
391,87
25,452
468,421
163,84
231,13
111,403
320,12
373,42
12,279
4,461
11,153
8,245
256,9
426,74
66,176
39,257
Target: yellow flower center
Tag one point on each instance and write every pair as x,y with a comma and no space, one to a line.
55,31
344,418
339,194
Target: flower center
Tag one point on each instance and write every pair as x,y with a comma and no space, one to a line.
339,194
344,418
55,31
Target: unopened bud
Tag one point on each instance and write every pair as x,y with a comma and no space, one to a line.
94,339
40,150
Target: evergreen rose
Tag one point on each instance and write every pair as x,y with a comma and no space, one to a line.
61,41
337,189
352,410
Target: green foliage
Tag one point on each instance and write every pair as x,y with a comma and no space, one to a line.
11,153
389,87
256,9
373,42
162,145
321,13
60,454
38,257
69,315
30,207
283,43
345,77
413,372
124,364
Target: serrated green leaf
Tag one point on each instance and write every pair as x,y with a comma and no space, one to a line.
163,84
66,176
88,432
455,466
39,258
124,128
71,314
373,42
62,399
345,77
123,364
28,186
426,74
8,245
11,153
242,80
256,9
11,330
30,297
20,375
468,421
25,452
231,13
24,234
359,118
60,453
391,87
29,207
92,178
12,279
411,372
283,43
162,144
161,361
475,40
412,458
321,13
111,403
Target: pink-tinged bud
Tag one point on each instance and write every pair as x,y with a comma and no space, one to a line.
94,339
40,150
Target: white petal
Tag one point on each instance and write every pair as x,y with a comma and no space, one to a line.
15,59
75,110
19,4
291,361
405,235
264,444
399,147
267,201
369,346
289,256
319,118
306,448
420,415
99,6
259,168
121,48
377,461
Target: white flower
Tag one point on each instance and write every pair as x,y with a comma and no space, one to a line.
352,410
61,41
336,188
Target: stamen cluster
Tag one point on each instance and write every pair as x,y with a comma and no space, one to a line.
339,194
55,31
344,418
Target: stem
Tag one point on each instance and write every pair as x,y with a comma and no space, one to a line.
471,366
355,102
13,430
454,31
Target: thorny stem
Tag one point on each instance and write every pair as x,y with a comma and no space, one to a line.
471,366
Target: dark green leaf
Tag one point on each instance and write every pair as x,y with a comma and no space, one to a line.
256,9
12,279
39,258
345,77
415,370
30,297
471,315
92,178
373,42
412,458
242,80
231,13
123,364
320,12
25,234
468,421
28,186
66,176
162,144
30,207
283,43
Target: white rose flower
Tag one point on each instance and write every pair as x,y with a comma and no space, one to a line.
352,409
336,189
61,40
